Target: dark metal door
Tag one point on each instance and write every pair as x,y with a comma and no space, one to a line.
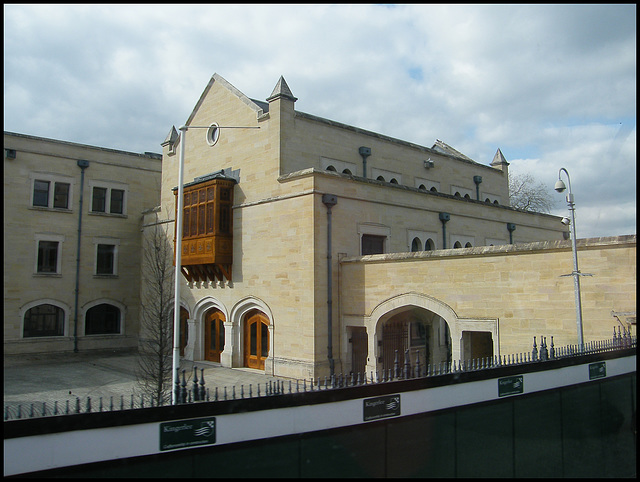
359,350
394,337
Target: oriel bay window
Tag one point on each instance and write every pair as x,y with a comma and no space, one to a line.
207,229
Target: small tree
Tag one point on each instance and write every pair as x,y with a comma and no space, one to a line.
155,362
529,195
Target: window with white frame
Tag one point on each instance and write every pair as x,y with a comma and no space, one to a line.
108,198
106,256
51,191
48,257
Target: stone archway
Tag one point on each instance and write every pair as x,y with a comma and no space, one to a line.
239,317
198,326
419,322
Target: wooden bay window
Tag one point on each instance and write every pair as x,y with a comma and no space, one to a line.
207,237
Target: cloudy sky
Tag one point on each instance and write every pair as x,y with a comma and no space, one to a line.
551,86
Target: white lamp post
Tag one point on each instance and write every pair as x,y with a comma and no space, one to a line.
560,187
212,138
176,299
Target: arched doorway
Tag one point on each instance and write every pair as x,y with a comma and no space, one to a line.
256,339
213,334
424,333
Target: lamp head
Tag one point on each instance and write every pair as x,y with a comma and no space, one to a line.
566,221
560,186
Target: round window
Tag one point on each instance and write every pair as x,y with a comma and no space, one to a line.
213,134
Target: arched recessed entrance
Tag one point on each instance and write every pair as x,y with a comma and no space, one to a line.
433,330
213,334
425,334
256,339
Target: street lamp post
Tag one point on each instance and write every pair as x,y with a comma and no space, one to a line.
560,187
178,253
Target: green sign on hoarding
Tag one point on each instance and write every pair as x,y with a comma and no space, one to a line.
381,407
187,433
597,370
510,385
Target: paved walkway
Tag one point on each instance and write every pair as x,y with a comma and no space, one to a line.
59,377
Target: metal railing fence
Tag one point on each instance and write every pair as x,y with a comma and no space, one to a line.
195,390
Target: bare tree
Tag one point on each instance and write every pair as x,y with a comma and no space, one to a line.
529,195
154,371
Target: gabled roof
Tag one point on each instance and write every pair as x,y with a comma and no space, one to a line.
447,149
217,78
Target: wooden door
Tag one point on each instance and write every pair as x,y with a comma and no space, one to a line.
256,340
213,335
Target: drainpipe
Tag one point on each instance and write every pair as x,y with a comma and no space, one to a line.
511,227
329,200
82,165
364,152
444,217
477,180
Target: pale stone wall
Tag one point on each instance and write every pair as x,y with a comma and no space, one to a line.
273,271
36,157
312,139
517,289
280,223
405,211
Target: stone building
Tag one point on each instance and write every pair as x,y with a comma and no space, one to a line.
275,199
59,294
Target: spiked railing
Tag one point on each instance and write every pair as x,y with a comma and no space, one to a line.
403,369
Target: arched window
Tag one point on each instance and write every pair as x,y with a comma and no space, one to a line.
103,319
416,244
422,187
393,180
380,178
331,168
468,245
487,200
496,202
457,194
429,245
433,189
347,171
457,245
43,320
466,196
